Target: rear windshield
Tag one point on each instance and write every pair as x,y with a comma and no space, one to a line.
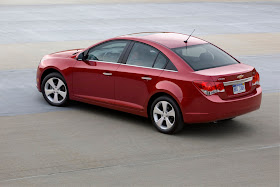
204,56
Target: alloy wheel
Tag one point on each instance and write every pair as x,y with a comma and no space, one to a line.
55,90
164,115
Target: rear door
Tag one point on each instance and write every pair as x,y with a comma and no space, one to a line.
136,78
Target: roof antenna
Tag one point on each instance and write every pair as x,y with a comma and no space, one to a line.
186,41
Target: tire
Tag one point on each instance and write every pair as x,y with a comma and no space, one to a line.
54,89
166,115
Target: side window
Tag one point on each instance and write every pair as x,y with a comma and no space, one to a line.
160,62
142,55
170,66
108,52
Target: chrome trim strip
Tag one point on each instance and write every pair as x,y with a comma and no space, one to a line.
131,65
148,67
141,66
170,70
238,81
104,61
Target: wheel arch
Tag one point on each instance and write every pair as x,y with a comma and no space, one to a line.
48,71
157,95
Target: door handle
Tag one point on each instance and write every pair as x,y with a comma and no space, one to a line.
107,74
146,78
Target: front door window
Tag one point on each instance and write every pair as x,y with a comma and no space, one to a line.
107,52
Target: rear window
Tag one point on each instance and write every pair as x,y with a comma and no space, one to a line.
204,56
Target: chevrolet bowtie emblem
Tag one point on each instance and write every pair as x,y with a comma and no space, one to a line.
240,76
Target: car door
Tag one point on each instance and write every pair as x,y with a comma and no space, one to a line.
93,78
136,78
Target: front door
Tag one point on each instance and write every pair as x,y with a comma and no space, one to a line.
94,78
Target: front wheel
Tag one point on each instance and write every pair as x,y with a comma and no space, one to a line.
166,115
54,89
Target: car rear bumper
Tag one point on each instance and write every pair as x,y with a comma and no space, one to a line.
213,108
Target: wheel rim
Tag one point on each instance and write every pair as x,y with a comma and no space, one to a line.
55,90
164,115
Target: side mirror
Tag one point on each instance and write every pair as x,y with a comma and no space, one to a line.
81,57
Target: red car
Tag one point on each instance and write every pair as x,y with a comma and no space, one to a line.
171,78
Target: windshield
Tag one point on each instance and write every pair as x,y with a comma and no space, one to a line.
204,56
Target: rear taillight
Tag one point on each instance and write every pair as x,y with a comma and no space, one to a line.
256,79
209,88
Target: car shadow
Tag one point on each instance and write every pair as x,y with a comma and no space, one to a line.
114,114
205,130
219,129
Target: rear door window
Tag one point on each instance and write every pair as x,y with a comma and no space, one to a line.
170,66
142,55
160,62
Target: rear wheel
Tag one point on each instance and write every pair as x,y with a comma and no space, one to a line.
166,115
54,89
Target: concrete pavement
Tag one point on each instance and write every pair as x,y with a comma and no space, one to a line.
46,23
54,2
101,147
28,55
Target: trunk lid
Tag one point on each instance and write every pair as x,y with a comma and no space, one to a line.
235,78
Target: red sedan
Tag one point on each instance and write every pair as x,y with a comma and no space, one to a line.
171,78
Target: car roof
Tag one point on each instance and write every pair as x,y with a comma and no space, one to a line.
168,39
